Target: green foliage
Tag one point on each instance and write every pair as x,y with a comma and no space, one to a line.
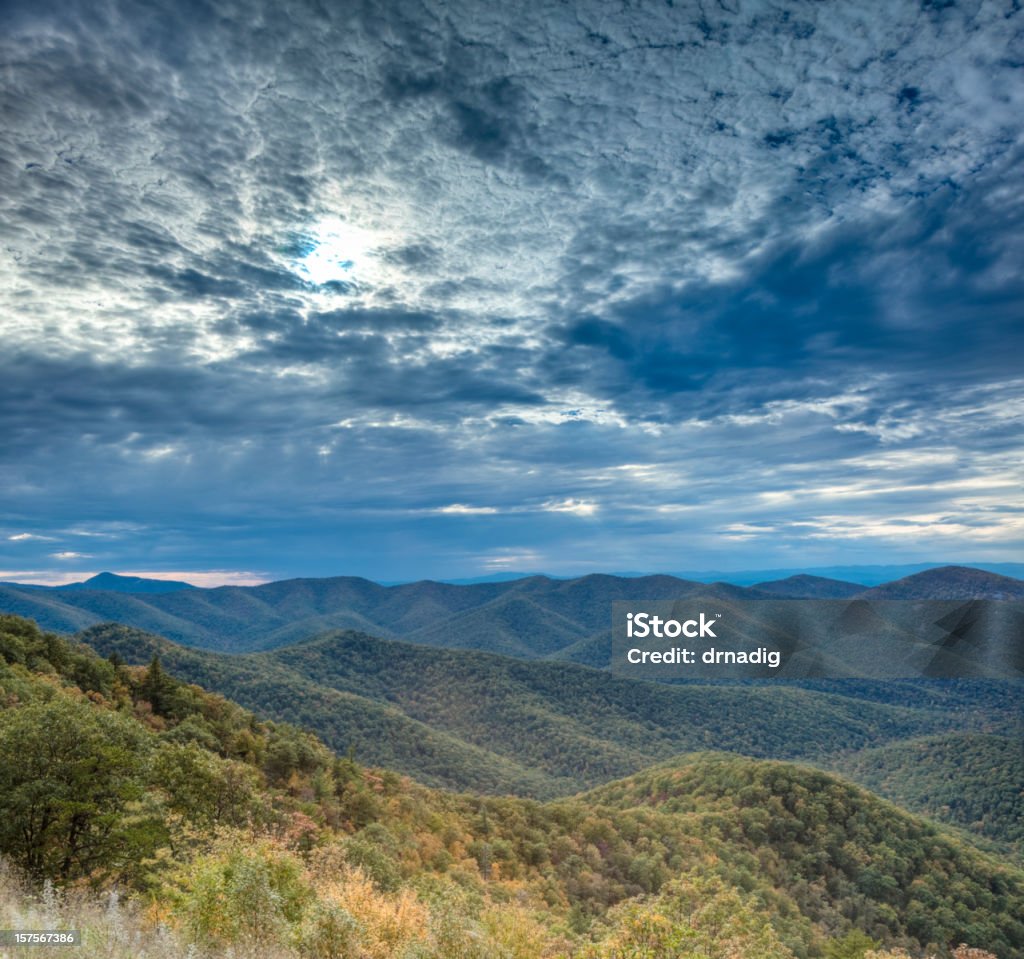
467,720
854,945
327,931
249,895
202,787
158,689
71,778
25,650
832,843
375,851
693,918
972,780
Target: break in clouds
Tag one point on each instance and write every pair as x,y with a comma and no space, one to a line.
416,289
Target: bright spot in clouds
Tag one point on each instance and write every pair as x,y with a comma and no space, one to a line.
336,252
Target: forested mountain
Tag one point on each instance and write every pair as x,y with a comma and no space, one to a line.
112,582
810,587
813,825
464,719
973,780
237,833
528,617
950,582
531,618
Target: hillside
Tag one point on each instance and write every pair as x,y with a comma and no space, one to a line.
950,582
472,720
992,706
553,613
45,607
813,824
971,780
238,834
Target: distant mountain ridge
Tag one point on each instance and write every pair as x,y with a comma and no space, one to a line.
532,618
950,582
804,586
114,582
873,575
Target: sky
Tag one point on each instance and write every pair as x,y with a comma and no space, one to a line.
410,289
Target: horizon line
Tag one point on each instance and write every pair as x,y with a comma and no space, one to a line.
212,579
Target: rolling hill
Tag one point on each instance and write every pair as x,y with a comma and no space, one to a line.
971,780
810,587
950,582
470,720
812,824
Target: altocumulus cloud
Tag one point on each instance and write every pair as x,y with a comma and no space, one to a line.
413,288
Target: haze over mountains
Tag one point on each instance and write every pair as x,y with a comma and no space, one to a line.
532,618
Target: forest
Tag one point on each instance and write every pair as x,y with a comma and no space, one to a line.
159,817
466,720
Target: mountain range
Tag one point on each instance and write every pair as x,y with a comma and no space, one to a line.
491,686
863,576
532,618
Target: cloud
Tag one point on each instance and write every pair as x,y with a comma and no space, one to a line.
208,578
573,506
373,286
40,577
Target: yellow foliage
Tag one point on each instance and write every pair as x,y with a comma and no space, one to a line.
519,935
389,924
157,913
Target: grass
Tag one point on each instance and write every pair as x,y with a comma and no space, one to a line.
109,927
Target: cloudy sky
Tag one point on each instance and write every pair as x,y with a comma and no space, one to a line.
410,289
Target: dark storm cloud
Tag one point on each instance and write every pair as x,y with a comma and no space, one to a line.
290,286
923,295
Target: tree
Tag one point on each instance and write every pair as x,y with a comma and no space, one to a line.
157,688
202,787
854,945
697,917
69,775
